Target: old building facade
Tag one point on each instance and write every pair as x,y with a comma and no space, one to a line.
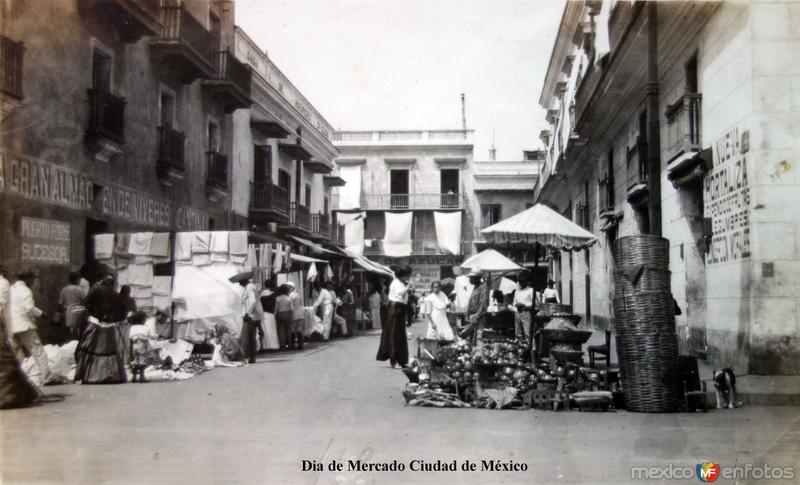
680,119
416,171
283,155
115,118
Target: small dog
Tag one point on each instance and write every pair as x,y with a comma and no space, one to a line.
725,384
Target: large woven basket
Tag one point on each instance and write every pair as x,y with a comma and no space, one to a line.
643,306
649,371
651,279
642,249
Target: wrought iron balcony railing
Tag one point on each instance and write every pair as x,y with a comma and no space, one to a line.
299,216
268,196
106,115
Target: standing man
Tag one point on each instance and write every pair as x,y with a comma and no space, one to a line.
462,289
523,301
298,315
478,304
250,319
22,315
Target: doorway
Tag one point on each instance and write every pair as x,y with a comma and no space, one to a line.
399,189
449,184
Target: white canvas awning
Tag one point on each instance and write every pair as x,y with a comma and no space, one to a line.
539,225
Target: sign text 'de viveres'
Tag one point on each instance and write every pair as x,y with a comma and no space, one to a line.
44,241
726,199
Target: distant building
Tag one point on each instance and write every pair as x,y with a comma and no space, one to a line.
417,171
675,118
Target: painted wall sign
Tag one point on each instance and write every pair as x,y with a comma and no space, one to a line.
726,199
188,219
44,181
135,206
423,275
44,241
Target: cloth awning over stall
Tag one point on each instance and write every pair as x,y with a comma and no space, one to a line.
491,261
370,266
314,247
305,259
539,225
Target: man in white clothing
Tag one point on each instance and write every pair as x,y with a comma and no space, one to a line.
298,316
22,314
523,302
4,287
462,289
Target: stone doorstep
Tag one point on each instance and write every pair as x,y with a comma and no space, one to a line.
753,390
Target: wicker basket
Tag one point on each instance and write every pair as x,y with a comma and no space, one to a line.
649,371
642,249
651,279
643,306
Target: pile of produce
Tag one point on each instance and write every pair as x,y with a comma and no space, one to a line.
421,395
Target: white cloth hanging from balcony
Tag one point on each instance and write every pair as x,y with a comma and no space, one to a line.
353,230
602,44
397,238
350,193
448,231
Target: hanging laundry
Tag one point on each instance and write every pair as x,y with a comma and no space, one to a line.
183,246
251,261
139,292
200,242
162,285
448,231
277,264
238,258
397,238
268,260
121,248
328,272
159,246
353,230
312,272
103,246
140,275
237,242
201,259
287,257
140,244
219,242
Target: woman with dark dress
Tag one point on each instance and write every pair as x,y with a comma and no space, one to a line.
394,344
100,355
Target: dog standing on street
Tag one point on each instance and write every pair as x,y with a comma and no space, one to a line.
725,384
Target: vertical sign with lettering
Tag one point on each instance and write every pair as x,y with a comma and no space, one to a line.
44,241
726,200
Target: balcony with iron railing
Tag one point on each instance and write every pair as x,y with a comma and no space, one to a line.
132,19
404,137
299,217
320,226
105,133
231,83
170,163
269,202
216,175
419,247
407,201
185,48
11,62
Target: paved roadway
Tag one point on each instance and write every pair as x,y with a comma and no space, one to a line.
335,402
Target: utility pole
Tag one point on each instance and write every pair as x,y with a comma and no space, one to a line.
464,114
653,125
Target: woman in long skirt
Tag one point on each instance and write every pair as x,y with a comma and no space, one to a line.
394,344
100,355
325,301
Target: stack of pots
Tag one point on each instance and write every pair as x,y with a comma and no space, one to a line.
644,320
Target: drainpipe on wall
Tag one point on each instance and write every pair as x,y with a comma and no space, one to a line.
653,125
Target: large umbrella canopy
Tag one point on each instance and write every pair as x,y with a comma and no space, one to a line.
539,225
492,261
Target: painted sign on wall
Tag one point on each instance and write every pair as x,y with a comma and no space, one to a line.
45,181
726,199
423,275
44,241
